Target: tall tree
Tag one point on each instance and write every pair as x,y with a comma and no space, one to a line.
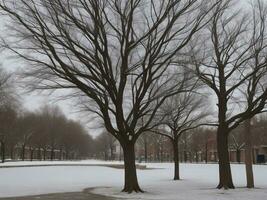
113,52
223,63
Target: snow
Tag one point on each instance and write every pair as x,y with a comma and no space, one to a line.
44,163
198,181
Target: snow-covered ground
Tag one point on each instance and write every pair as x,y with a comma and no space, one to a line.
198,181
81,162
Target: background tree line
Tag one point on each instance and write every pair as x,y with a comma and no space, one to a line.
44,134
198,145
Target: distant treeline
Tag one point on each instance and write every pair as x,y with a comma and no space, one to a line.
46,134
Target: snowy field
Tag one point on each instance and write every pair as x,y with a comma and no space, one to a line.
198,181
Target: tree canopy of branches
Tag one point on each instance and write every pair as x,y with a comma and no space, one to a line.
6,89
117,53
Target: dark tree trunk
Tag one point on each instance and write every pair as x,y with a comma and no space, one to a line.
61,154
44,153
32,152
130,179
23,153
120,154
226,181
176,160
248,155
105,155
3,151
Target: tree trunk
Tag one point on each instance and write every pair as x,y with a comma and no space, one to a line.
176,160
61,154
226,181
32,152
44,153
3,151
130,179
23,153
120,154
248,155
105,155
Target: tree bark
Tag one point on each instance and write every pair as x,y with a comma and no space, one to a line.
130,179
176,160
225,174
248,155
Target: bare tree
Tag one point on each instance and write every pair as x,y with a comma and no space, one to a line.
257,83
182,113
225,66
113,52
